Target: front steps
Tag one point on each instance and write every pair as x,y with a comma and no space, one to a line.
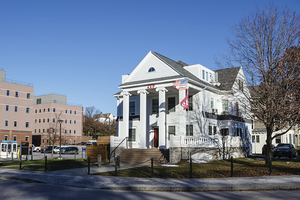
143,156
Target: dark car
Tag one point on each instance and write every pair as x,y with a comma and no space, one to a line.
71,150
285,150
264,149
48,149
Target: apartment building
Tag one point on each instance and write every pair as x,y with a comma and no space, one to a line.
48,110
16,109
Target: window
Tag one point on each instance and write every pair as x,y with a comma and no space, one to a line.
28,95
48,120
74,131
70,121
17,94
40,110
43,120
70,141
237,108
151,69
26,138
66,111
70,131
212,103
15,123
171,104
74,121
224,131
65,130
225,105
48,109
15,138
47,141
44,110
5,137
190,102
53,120
35,130
215,130
43,130
35,110
43,141
65,141
207,76
132,108
154,106
27,125
66,121
171,131
257,139
6,123
3,147
16,108
241,87
131,135
39,130
53,109
203,74
38,101
253,138
39,120
189,130
278,139
70,111
7,107
75,112
74,141
7,93
210,130
27,110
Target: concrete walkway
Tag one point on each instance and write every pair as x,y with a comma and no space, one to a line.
79,178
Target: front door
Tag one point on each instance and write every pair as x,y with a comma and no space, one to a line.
156,137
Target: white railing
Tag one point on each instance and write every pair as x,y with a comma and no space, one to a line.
208,141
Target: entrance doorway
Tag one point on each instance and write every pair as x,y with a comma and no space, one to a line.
156,134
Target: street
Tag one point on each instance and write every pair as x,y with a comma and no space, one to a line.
13,189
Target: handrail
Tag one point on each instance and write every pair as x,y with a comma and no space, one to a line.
113,151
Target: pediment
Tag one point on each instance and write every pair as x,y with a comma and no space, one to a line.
151,67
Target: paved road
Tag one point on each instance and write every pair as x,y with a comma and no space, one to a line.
13,189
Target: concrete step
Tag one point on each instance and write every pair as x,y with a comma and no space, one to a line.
142,156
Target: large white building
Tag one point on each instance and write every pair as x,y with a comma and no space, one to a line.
151,114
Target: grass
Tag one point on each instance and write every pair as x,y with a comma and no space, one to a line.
242,167
52,165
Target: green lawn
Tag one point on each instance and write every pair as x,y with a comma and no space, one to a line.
52,165
242,167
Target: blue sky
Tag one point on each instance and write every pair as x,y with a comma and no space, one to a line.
82,48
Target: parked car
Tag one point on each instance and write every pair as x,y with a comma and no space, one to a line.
264,149
57,149
285,150
47,149
36,149
71,150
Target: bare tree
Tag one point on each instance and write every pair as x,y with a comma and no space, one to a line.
54,132
264,44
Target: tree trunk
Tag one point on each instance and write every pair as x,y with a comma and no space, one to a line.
269,146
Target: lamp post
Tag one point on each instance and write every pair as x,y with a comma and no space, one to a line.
60,121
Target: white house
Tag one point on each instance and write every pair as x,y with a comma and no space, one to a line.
151,114
105,117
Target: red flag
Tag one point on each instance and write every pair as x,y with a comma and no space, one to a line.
185,102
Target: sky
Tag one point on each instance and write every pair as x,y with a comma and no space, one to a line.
81,49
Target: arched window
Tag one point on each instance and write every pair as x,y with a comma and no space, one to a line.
152,69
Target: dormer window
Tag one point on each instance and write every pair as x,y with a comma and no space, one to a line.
151,69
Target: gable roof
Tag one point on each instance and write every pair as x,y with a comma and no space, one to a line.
177,66
227,77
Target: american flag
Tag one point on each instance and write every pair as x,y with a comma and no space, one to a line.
181,84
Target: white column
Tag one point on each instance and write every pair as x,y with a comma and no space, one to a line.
143,117
125,128
182,114
162,117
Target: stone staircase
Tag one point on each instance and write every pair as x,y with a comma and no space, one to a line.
143,156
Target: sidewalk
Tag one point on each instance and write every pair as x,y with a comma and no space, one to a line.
79,178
